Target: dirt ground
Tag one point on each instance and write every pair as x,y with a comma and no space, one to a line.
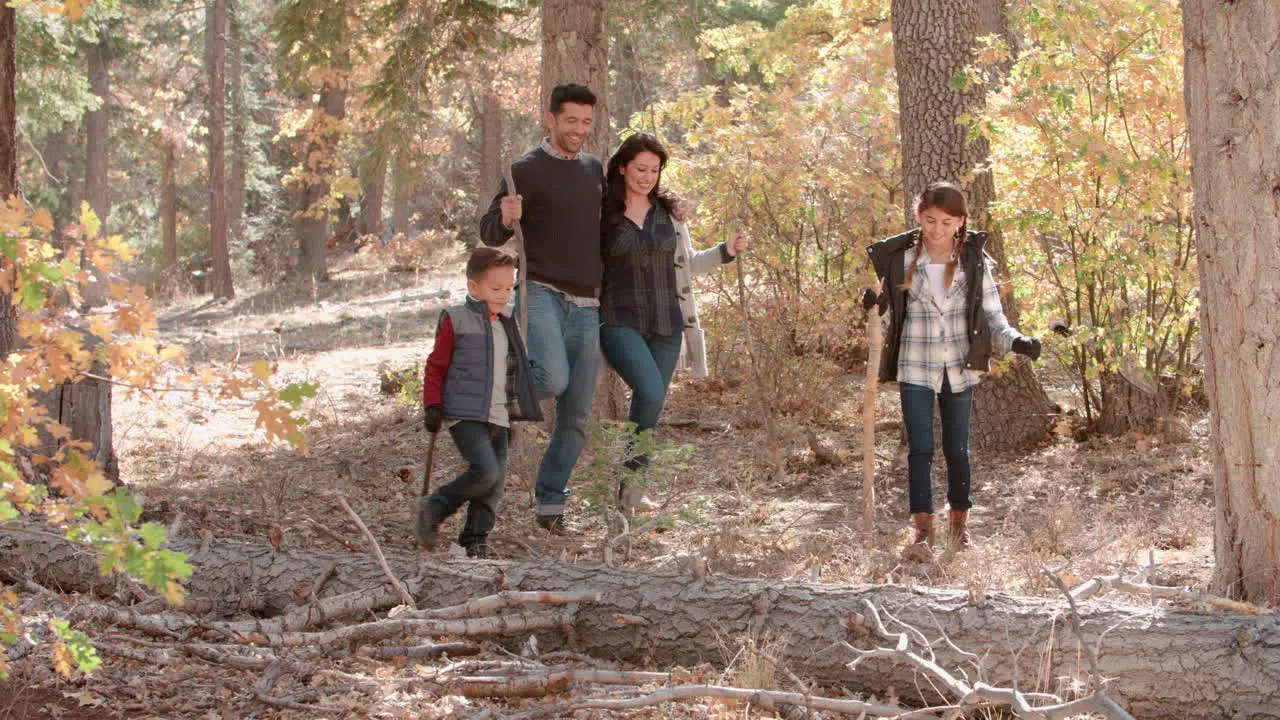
1080,508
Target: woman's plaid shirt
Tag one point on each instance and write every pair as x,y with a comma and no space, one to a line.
935,335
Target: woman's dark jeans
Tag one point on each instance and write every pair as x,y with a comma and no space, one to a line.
955,410
646,364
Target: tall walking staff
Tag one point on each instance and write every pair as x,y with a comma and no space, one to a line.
874,339
431,458
524,273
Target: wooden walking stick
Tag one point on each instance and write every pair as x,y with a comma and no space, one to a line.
520,261
874,333
431,458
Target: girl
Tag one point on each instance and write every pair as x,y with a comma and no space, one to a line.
945,324
647,308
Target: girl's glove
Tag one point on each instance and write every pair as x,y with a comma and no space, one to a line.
1027,346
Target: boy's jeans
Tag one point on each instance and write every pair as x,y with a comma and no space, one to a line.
564,349
917,414
484,446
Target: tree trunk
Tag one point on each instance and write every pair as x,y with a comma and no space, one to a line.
629,93
575,50
169,217
236,197
58,148
219,250
8,153
932,43
374,184
94,292
1161,663
404,188
1233,114
321,159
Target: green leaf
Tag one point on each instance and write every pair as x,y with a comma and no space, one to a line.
154,535
7,511
293,393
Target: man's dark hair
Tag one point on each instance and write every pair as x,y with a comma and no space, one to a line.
570,93
484,258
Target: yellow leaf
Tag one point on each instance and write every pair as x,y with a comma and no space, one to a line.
89,221
97,483
73,8
42,219
62,659
262,369
174,593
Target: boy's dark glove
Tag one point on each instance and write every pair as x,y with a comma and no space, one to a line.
433,418
869,299
1027,346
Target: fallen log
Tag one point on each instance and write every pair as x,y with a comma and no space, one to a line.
1159,662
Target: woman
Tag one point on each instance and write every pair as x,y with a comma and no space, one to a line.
945,323
647,308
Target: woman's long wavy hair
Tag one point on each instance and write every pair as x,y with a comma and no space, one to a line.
615,196
948,198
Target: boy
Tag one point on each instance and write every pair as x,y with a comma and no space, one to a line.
477,380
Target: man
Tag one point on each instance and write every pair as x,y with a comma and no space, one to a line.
560,191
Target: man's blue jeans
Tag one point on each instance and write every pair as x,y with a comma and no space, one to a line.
564,350
955,410
484,447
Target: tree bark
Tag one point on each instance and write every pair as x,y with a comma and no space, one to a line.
94,292
404,185
1162,663
933,43
219,250
1233,114
630,95
236,195
575,49
169,216
8,152
321,159
374,184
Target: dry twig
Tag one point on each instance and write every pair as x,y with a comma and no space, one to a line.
1101,584
377,554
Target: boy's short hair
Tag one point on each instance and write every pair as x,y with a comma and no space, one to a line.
570,93
484,258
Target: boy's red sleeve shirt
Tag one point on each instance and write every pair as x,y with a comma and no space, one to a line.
438,365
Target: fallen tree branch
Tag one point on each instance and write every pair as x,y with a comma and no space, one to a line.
338,607
982,694
419,652
503,601
765,699
393,627
1101,584
377,553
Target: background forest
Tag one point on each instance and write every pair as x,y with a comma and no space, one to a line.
238,221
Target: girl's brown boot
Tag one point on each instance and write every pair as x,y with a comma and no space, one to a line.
959,529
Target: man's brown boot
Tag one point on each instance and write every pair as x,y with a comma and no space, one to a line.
959,530
924,528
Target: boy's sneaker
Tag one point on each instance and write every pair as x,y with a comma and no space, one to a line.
427,525
479,551
553,524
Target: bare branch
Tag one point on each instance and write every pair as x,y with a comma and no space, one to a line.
377,554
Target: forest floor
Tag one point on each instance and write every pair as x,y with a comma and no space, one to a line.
1084,508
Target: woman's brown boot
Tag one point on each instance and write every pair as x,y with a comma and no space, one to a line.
959,529
924,528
